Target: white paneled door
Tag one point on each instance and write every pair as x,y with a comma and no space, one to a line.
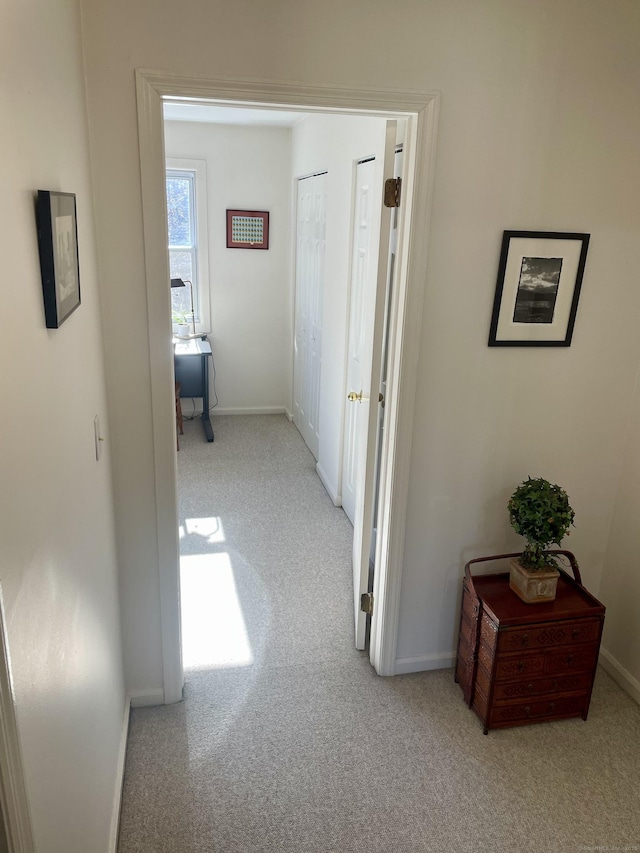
364,264
310,256
393,254
365,398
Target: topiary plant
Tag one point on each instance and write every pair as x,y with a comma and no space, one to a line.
540,511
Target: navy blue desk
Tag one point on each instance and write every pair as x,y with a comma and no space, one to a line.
191,361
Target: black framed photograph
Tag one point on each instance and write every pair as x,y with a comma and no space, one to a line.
58,245
247,229
538,288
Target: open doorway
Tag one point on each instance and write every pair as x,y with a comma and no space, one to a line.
420,111
248,160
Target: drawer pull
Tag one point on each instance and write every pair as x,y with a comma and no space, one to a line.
530,688
576,633
527,710
525,640
475,609
520,666
570,660
552,706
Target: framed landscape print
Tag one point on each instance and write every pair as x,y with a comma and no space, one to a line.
538,288
247,229
58,245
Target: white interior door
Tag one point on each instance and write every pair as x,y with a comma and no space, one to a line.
393,252
366,231
368,402
310,261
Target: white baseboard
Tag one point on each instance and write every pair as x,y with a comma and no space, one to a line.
423,663
117,795
620,675
337,499
250,410
145,698
289,414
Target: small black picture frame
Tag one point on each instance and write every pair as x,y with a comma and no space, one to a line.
58,244
539,279
247,229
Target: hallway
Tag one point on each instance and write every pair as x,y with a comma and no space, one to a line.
266,518
292,743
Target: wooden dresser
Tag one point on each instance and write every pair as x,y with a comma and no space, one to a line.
523,663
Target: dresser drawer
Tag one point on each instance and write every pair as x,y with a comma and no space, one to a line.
522,689
520,666
470,603
537,710
564,661
483,681
464,677
485,656
465,652
480,702
571,659
468,628
488,632
549,635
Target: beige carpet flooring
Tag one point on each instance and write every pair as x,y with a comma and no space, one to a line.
292,743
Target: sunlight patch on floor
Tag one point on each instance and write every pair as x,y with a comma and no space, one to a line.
209,528
214,633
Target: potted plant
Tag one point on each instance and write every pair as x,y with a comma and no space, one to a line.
539,511
180,323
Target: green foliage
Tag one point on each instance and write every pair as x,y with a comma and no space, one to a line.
540,511
179,210
180,317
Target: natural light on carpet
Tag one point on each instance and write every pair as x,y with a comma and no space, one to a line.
214,633
210,529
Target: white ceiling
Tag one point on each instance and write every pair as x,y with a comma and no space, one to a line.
185,111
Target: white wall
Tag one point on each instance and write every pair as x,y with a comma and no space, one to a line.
248,168
538,129
552,148
57,543
620,588
335,143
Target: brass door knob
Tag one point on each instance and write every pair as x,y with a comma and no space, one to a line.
354,397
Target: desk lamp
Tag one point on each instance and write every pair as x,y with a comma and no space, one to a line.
178,282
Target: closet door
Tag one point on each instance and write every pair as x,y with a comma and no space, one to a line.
310,256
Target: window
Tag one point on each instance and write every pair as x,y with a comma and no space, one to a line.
186,221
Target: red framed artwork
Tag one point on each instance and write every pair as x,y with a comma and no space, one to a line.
247,229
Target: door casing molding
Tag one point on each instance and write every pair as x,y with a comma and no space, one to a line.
13,790
421,111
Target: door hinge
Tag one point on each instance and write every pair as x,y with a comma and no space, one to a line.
392,190
366,603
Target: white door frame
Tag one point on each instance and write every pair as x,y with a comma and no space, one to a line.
13,790
421,111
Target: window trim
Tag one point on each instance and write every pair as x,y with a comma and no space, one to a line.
202,298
